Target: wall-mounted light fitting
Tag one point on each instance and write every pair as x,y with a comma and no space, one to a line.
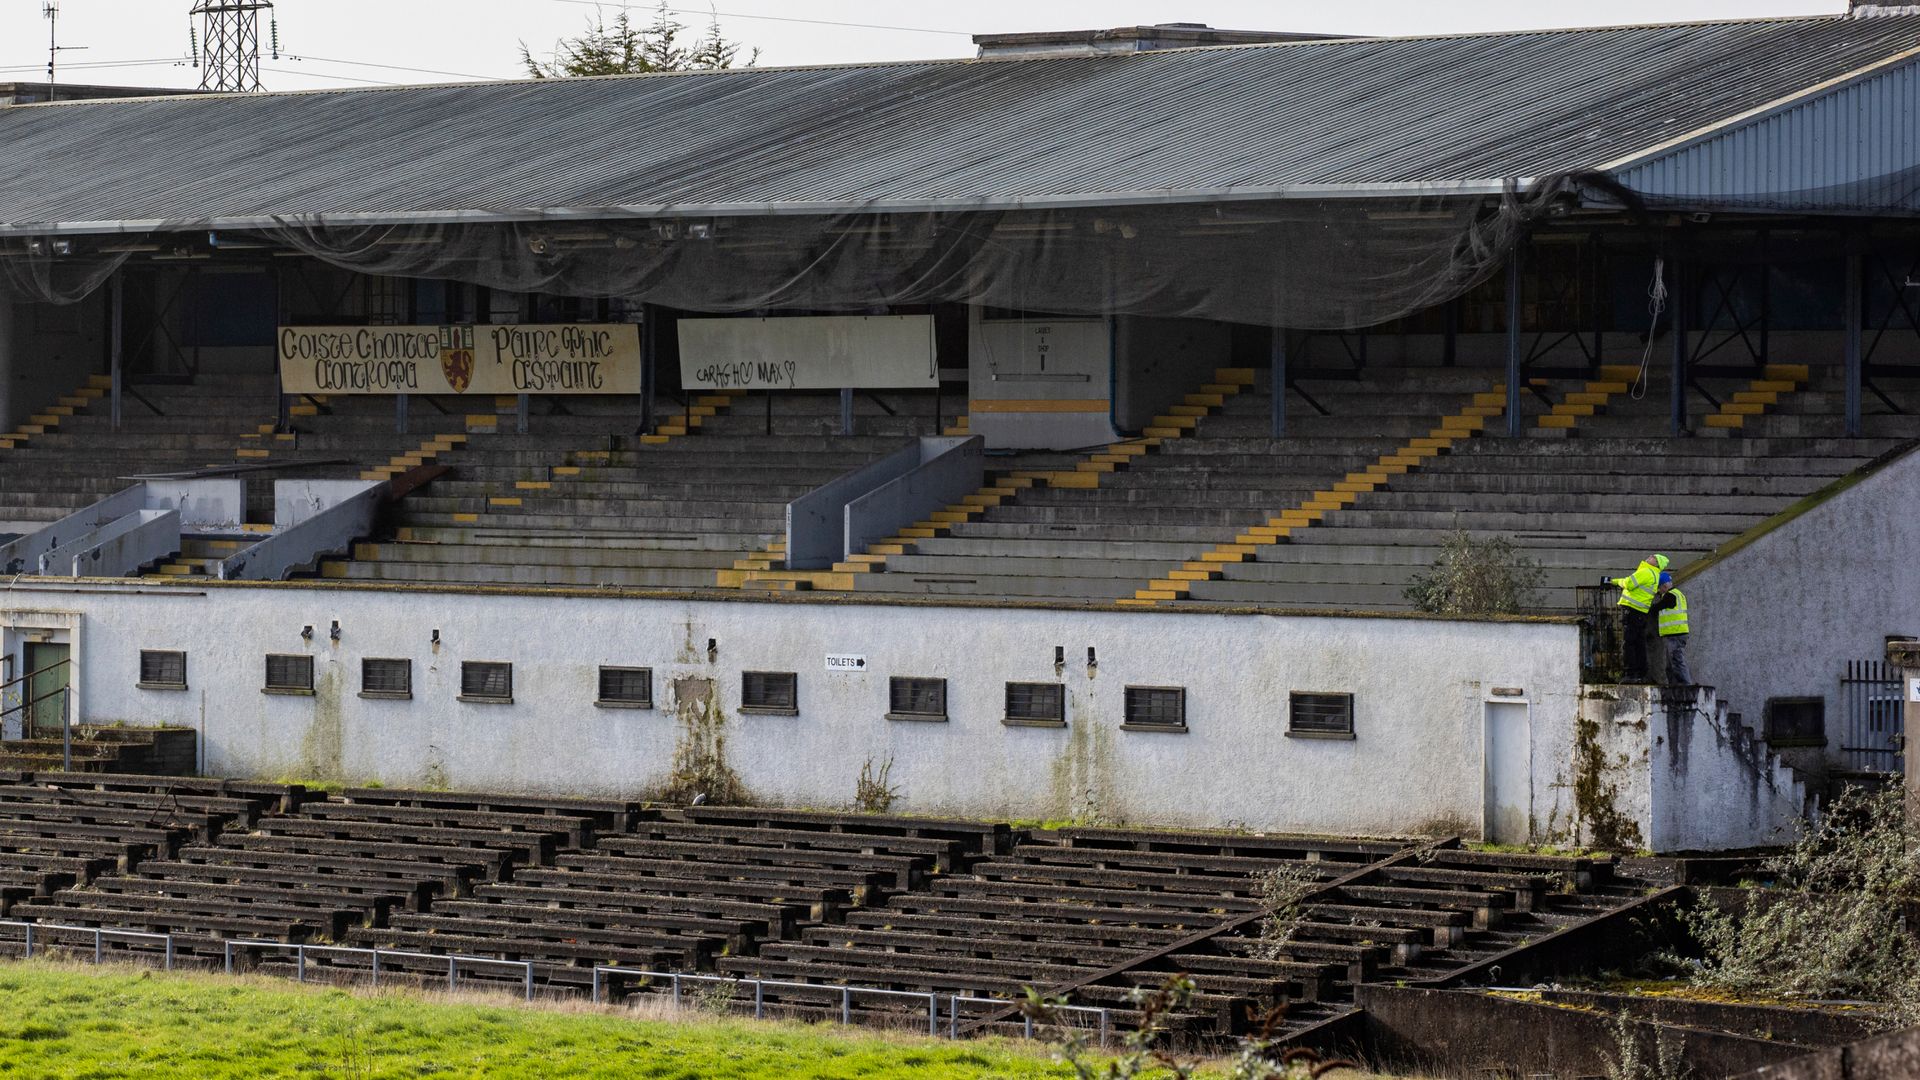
306,632
713,649
333,633
436,635
1059,659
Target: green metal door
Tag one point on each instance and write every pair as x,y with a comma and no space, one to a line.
47,666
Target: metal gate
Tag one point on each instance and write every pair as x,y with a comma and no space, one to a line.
1870,707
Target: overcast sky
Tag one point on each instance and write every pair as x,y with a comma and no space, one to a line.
343,43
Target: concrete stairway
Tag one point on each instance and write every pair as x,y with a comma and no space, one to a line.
576,502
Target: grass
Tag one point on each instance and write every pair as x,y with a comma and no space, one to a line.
70,1022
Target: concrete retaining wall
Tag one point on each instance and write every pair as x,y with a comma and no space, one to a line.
1782,616
1420,693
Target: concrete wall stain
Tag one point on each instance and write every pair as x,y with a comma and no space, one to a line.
322,743
700,748
1595,796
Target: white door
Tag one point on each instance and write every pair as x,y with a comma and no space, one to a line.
1508,774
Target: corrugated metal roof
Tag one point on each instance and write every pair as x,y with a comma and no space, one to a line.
1191,124
1854,147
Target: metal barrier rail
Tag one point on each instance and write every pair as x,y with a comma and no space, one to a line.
847,994
600,973
955,1001
453,961
100,934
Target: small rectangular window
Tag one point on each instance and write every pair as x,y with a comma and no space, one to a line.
626,688
1320,716
1155,708
489,682
162,669
1033,704
289,674
776,692
913,698
1797,721
382,678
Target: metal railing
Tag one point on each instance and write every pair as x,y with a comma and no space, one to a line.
100,935
602,975
1873,722
453,962
64,692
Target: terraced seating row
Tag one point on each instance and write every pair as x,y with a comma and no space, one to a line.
821,899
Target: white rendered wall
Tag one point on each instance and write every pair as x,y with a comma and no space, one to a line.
1419,687
1782,616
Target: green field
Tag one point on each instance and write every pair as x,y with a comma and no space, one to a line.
81,1023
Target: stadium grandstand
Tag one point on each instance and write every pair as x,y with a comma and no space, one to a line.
647,434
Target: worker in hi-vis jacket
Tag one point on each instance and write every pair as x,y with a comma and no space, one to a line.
1637,592
1670,605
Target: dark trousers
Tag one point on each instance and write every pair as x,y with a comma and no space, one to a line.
1633,645
1677,671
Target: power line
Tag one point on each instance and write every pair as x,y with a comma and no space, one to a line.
323,75
779,18
394,67
97,64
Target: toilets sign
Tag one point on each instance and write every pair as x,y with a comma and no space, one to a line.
565,358
846,662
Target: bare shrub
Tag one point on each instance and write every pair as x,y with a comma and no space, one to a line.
1280,891
1836,926
1629,1060
871,792
1477,577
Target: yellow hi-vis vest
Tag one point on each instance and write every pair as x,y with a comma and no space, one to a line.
1637,588
1673,620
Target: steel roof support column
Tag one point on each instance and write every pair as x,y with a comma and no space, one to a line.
1677,321
1514,261
1278,356
1855,315
649,355
116,345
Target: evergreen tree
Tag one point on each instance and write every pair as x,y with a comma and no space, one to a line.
621,48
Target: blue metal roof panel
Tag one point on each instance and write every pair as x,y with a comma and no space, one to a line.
1854,148
1177,124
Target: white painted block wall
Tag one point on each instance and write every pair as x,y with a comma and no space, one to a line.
1420,690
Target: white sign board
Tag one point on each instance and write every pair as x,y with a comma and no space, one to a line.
1913,689
809,352
846,662
565,358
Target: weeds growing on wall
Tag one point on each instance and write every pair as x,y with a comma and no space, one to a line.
871,793
1836,925
1477,577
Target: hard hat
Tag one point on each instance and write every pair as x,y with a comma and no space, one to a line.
1660,561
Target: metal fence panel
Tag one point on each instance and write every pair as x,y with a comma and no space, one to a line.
1872,729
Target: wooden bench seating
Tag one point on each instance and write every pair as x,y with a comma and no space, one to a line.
1243,845
412,894
182,919
448,879
607,815
370,909
754,919
560,953
857,885
734,934
984,838
1485,908
1225,904
487,862
1099,934
566,831
524,847
944,854
899,871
